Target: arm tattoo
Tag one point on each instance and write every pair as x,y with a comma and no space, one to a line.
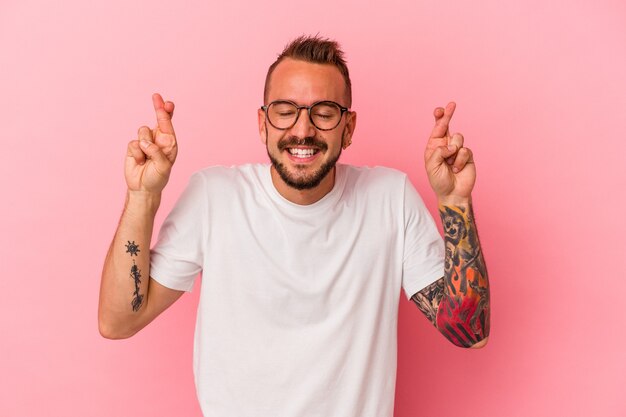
428,299
461,298
135,274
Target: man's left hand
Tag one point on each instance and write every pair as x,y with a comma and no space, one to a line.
449,165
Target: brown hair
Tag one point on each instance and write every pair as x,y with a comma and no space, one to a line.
317,50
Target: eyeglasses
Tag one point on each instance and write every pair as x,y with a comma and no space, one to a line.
283,114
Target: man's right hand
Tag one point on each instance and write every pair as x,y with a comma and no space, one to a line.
150,157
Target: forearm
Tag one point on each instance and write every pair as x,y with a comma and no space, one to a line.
126,271
463,314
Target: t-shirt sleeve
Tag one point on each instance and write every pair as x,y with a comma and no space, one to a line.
424,252
176,259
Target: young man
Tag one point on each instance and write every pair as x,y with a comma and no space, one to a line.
303,260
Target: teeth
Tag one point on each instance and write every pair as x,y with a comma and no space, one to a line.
302,153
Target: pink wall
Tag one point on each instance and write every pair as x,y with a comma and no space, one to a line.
541,100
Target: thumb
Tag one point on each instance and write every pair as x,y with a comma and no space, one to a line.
153,152
441,153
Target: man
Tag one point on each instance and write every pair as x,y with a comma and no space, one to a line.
302,260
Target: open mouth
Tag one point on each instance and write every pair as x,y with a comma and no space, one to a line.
302,153
302,150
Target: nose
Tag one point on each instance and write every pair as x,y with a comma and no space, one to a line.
303,127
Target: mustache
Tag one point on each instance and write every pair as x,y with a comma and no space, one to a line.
292,141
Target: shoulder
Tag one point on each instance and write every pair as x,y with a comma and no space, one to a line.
229,172
374,176
384,183
228,177
377,187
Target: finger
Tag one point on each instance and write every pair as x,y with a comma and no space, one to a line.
144,133
457,140
440,154
435,144
168,145
463,157
133,151
164,119
152,151
442,124
169,107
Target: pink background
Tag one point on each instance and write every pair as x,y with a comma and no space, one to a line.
541,100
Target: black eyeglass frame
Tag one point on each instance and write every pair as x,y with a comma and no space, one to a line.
308,109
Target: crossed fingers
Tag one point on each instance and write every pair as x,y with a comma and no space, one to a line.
448,146
164,110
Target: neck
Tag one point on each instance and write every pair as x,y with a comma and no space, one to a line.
303,197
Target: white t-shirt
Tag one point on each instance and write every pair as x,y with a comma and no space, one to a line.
298,305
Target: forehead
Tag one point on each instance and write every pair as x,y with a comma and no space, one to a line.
305,82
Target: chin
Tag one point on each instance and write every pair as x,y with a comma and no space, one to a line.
302,180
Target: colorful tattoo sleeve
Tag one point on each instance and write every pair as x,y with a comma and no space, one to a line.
458,304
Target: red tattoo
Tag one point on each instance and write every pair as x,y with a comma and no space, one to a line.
463,313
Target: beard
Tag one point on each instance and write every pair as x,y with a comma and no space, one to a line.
301,180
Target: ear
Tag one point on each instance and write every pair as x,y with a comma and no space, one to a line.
262,127
349,129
